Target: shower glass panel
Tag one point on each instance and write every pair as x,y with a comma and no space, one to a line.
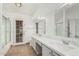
6,31
3,32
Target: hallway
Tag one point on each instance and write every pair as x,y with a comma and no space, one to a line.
21,50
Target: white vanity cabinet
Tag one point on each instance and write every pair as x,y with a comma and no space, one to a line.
33,43
46,51
39,47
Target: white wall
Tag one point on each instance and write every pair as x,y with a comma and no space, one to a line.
27,25
50,25
50,21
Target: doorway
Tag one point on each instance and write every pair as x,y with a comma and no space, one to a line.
19,31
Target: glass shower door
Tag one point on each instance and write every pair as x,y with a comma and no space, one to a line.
5,31
8,30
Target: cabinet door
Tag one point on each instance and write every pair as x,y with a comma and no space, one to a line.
33,43
45,51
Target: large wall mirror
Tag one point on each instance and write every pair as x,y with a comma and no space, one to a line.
73,28
41,27
67,21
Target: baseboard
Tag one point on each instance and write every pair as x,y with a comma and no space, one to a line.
5,49
21,43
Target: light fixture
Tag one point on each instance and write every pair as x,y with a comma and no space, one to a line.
18,4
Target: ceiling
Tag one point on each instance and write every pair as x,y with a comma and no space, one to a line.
31,8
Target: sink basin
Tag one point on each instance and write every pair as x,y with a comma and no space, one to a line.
58,45
65,47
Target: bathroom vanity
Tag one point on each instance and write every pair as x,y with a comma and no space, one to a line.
66,42
52,47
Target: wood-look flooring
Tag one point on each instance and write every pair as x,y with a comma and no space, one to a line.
21,50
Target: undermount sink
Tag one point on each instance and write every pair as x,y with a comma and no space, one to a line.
67,47
68,43
61,46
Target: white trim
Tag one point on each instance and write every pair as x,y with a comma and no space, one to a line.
4,50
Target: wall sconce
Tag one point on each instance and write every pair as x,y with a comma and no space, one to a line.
18,4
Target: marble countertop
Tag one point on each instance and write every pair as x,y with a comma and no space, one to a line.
58,46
